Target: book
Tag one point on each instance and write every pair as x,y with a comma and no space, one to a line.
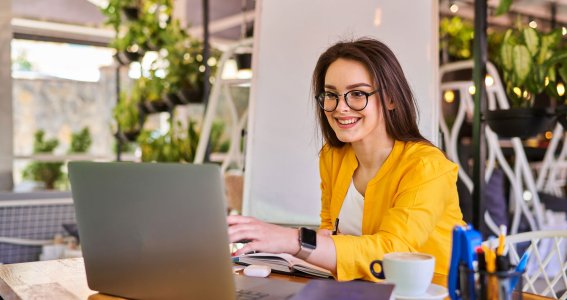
283,263
349,290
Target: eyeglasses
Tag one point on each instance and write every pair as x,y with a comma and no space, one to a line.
355,99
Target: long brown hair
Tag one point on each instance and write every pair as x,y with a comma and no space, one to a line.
384,68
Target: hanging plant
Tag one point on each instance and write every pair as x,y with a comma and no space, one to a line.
530,62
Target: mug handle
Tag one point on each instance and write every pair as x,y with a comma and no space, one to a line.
378,275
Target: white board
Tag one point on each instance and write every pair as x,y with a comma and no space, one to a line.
282,170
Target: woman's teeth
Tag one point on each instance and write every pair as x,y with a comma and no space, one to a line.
348,121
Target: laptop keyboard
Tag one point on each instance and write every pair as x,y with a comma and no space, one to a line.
250,295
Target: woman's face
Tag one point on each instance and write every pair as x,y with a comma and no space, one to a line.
352,126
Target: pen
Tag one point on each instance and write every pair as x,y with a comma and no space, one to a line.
501,240
336,227
482,272
520,268
503,266
492,282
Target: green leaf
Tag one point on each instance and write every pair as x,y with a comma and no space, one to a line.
506,56
552,75
503,7
531,39
522,62
563,72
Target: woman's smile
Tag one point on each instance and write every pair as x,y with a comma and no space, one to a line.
346,122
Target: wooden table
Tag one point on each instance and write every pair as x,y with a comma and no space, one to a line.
59,279
66,279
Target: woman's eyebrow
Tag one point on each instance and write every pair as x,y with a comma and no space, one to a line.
352,86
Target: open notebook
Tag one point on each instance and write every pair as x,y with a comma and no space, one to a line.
283,263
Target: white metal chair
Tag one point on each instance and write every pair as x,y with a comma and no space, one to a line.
238,123
520,175
546,270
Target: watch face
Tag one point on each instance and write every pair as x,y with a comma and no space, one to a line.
308,238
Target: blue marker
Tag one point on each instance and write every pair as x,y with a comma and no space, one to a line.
520,268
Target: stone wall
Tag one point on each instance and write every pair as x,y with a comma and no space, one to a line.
61,107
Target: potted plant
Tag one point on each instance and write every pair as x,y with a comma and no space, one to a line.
127,116
455,39
129,45
528,61
81,141
49,173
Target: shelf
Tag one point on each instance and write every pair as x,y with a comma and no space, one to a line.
69,157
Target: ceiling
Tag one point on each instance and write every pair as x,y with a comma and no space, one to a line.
526,10
36,18
225,16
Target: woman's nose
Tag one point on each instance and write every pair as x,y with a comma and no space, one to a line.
342,105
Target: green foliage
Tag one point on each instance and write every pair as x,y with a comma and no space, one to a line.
456,37
503,7
81,141
126,112
113,11
47,172
179,144
530,62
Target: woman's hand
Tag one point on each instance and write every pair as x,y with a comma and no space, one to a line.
262,237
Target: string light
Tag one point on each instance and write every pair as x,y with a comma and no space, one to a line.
517,91
533,24
489,81
548,135
472,90
454,8
564,30
560,89
449,96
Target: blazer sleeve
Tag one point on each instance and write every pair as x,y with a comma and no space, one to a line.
418,205
325,162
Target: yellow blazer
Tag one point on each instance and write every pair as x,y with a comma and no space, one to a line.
411,205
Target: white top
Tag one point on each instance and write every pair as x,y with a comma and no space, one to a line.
350,217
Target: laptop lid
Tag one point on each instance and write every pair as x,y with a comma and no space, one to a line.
153,230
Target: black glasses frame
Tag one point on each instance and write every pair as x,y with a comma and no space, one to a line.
321,99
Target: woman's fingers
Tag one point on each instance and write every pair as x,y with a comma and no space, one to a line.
235,219
250,247
242,232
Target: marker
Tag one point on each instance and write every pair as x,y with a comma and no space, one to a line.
482,272
520,268
501,240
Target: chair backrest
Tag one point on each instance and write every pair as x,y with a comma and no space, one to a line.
546,270
519,175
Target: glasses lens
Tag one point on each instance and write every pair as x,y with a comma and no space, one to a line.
328,101
356,100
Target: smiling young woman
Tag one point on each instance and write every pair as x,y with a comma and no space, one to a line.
391,189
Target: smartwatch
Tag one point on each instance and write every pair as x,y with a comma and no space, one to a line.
307,242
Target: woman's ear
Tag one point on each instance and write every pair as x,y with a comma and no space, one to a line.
389,103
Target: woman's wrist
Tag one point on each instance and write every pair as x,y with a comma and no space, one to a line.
293,241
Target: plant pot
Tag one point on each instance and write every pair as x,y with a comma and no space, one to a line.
561,112
129,136
190,95
519,122
155,106
172,99
243,61
132,13
126,57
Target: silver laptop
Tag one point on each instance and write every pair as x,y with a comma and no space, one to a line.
158,231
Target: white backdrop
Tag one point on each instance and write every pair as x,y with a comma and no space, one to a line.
282,171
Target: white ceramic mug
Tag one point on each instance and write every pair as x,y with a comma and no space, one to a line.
410,272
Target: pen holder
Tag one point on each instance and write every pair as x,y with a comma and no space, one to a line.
483,285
